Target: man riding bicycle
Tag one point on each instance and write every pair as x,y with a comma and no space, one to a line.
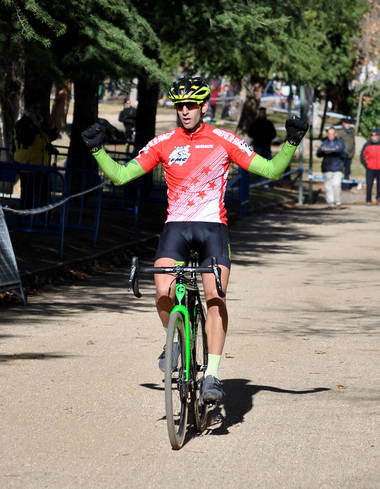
196,158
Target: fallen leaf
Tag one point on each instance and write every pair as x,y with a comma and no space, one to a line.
319,352
90,342
340,386
228,355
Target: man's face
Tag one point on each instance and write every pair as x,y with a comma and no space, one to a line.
331,134
262,113
190,114
374,136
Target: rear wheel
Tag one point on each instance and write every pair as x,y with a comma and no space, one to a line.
200,365
176,387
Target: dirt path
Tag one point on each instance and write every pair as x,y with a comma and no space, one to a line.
81,397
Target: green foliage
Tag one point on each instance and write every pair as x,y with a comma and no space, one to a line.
306,41
370,110
106,37
32,21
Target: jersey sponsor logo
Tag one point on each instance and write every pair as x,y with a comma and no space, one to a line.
229,136
204,146
244,146
179,155
156,140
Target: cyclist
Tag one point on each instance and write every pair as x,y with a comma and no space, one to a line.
196,158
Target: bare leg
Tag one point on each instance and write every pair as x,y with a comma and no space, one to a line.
164,301
217,317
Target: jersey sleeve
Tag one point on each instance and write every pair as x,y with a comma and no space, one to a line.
237,149
275,167
119,174
150,155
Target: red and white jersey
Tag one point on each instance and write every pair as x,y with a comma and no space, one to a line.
196,167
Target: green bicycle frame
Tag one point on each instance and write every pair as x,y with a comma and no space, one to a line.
180,291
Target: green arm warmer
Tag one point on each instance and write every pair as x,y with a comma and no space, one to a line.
119,174
275,167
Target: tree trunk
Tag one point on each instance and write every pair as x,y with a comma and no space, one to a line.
254,91
323,118
146,122
146,112
10,102
85,114
37,87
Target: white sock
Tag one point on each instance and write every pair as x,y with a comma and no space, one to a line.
213,365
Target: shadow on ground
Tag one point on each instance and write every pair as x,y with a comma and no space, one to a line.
238,402
253,240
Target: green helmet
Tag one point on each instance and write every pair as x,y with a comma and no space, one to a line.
189,89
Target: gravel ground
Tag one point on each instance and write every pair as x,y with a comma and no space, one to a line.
82,401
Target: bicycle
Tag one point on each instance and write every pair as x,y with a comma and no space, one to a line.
187,326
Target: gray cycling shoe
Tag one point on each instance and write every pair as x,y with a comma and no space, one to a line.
161,358
211,389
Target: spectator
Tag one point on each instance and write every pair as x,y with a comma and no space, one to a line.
370,159
214,98
32,145
226,96
333,152
347,134
128,117
262,132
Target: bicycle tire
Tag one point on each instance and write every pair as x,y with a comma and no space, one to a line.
176,387
200,356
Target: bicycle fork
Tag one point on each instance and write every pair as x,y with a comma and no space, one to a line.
180,291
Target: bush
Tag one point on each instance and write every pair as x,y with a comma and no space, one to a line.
370,111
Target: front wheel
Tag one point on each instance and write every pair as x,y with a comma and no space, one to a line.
176,387
200,365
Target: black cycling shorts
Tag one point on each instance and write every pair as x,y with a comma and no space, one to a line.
206,238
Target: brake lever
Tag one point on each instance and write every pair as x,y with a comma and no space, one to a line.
133,277
217,273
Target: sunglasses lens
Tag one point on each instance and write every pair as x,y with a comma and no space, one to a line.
188,105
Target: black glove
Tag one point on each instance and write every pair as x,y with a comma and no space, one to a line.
296,128
93,136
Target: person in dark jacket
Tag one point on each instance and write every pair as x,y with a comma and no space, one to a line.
333,152
370,159
347,133
128,117
262,132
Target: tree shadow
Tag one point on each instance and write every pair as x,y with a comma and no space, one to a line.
4,358
253,240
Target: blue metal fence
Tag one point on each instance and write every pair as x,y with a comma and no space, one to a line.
39,199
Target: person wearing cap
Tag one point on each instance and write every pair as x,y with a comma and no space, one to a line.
333,152
370,159
196,158
347,134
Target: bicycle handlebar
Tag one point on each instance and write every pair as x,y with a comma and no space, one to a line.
135,270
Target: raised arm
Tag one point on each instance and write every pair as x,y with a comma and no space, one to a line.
296,128
93,138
